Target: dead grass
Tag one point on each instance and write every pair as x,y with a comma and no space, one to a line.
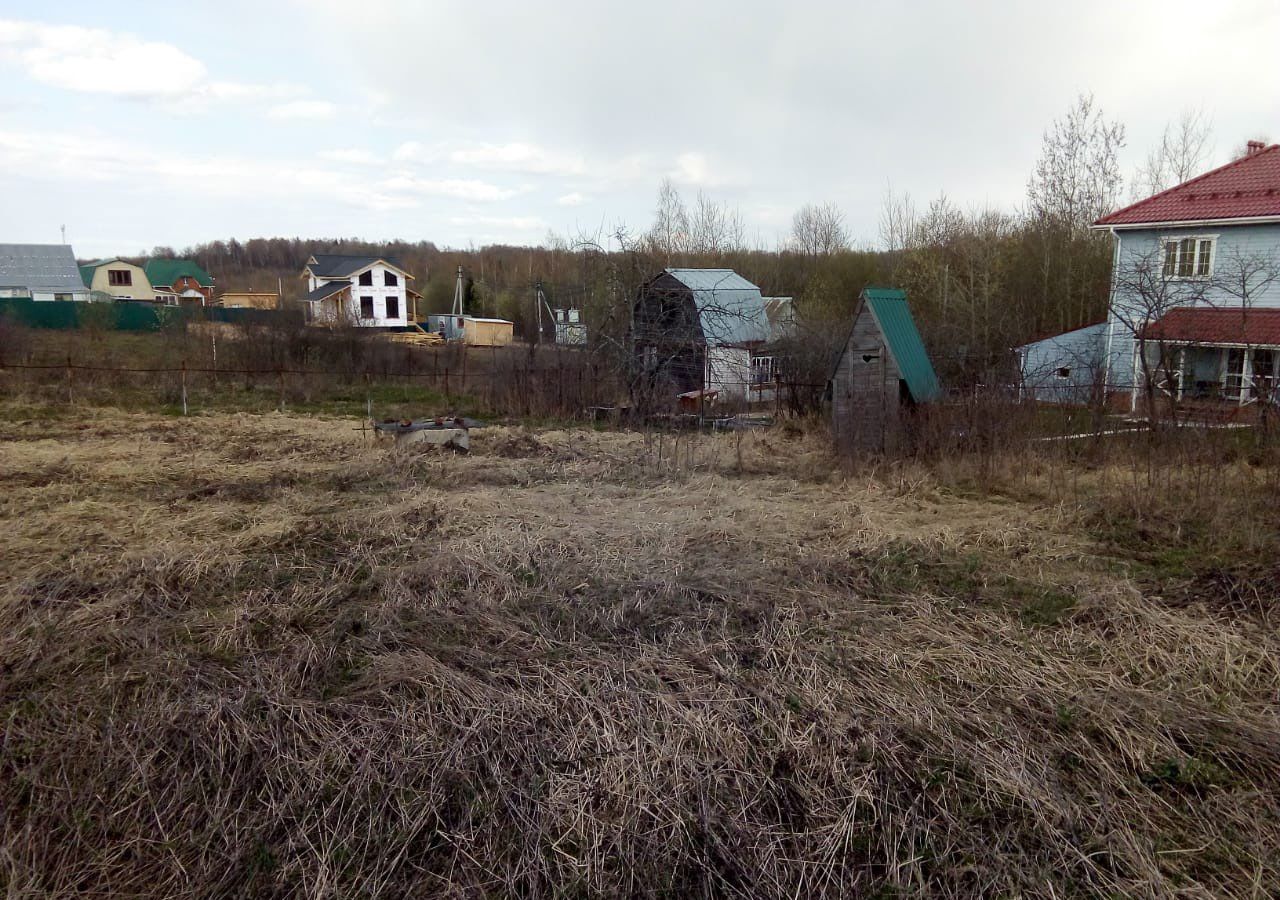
252,655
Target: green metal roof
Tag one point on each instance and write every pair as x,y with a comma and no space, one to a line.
893,315
167,271
86,274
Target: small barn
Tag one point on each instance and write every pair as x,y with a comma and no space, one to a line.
697,332
882,371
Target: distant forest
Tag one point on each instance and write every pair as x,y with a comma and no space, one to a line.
979,280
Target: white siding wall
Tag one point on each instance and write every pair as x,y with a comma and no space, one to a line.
379,291
728,371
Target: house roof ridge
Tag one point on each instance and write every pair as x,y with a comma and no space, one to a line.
1249,159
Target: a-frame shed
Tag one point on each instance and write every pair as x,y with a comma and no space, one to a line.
882,369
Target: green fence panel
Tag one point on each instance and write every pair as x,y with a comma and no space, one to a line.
134,315
39,314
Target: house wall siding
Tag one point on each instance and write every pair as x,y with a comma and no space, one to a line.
729,372
379,291
1140,246
140,289
1080,352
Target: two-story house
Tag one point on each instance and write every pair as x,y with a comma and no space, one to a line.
365,291
1194,312
185,279
117,279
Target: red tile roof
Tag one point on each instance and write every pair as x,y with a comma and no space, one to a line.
1246,187
1256,327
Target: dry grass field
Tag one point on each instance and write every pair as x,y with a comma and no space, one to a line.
253,655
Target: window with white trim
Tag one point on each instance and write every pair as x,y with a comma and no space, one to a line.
762,370
1190,257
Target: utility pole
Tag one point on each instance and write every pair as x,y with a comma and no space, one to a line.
457,295
537,306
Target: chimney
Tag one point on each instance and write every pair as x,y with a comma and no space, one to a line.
1254,147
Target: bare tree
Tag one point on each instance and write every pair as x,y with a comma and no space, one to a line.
1076,181
1077,178
898,219
1146,290
1182,154
669,235
1240,277
819,230
715,228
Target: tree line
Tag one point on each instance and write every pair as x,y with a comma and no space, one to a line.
980,280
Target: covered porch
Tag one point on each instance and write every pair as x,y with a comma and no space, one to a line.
1213,359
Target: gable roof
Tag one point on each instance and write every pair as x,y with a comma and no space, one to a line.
1256,327
730,308
326,290
39,267
168,271
1246,188
888,306
338,265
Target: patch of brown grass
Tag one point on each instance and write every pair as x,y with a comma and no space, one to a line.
257,655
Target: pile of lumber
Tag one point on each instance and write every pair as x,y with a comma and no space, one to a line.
416,335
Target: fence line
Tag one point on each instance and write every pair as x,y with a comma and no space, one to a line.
441,374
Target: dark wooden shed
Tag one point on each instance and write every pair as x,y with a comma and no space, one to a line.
882,369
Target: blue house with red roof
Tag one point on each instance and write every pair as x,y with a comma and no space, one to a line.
1194,313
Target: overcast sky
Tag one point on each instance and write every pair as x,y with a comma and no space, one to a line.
140,124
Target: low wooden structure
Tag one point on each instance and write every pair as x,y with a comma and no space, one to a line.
882,371
473,331
249,300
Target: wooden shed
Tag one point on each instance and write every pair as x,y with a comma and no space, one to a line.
882,371
478,332
699,332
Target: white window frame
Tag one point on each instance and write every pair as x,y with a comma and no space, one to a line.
763,366
1177,240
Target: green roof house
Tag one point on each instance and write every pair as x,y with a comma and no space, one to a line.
183,278
881,374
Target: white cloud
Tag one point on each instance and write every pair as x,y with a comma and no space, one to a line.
353,155
237,90
519,157
121,64
458,188
304,109
511,223
410,151
573,199
97,61
102,158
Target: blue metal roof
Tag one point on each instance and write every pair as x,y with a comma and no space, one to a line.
730,307
39,267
